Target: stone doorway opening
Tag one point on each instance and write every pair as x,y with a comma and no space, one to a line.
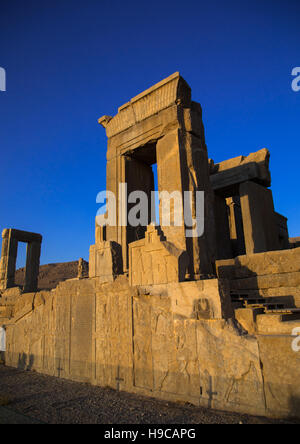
141,175
10,240
21,264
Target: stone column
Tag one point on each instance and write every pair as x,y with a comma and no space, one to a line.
170,173
112,184
259,220
236,226
32,266
182,165
8,260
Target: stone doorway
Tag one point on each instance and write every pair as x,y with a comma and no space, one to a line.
10,240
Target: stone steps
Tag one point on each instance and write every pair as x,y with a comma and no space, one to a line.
282,308
286,295
285,315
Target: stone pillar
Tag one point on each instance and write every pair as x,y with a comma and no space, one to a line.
182,165
32,266
8,260
170,173
112,184
259,221
105,261
236,226
224,250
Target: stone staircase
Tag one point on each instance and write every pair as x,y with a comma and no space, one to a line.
260,315
265,290
270,306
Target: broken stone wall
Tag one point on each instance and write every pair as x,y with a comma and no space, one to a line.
157,341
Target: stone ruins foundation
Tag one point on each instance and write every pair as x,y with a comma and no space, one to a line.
211,320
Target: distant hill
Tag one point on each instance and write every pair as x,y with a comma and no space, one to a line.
51,274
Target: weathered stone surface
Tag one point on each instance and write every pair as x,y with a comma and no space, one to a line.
169,91
10,295
153,340
236,226
83,269
273,324
227,182
105,261
201,250
32,266
154,260
240,169
247,317
281,371
269,263
6,311
268,281
8,261
10,239
205,299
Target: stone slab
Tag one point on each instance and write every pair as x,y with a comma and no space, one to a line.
261,264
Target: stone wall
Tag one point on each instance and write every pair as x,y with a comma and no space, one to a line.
165,341
270,274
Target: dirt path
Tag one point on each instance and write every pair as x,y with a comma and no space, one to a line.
34,398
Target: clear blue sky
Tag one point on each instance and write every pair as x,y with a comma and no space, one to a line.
68,62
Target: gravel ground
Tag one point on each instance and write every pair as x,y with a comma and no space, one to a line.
50,400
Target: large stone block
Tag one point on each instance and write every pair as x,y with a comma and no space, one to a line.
259,220
106,261
294,242
222,218
268,281
204,299
281,374
236,226
154,260
226,175
164,330
227,182
168,92
283,231
262,264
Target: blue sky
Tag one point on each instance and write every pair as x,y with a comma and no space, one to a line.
68,62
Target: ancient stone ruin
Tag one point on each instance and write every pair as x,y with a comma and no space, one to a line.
10,240
210,319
